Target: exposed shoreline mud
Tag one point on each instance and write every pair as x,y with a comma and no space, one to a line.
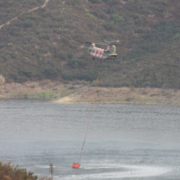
83,92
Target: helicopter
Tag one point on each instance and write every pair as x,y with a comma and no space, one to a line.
109,53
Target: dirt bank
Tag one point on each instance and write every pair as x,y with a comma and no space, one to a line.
124,95
82,92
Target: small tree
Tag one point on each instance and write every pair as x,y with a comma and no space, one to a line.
2,79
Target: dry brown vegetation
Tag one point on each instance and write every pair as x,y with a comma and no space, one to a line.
83,92
124,95
10,172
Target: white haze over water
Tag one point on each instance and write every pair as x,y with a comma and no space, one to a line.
129,172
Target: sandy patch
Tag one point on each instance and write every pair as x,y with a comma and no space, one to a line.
64,100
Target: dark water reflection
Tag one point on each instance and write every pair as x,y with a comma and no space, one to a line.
123,142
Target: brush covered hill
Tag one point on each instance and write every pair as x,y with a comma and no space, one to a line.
47,42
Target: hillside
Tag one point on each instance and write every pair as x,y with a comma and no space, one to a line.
45,41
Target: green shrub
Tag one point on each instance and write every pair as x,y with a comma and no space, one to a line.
2,79
76,63
100,14
116,18
67,76
33,86
177,36
109,26
46,94
90,15
132,88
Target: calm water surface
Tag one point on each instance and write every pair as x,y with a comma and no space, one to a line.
140,142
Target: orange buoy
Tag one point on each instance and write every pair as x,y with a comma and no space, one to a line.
76,166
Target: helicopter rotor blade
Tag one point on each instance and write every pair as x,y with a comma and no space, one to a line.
111,42
98,43
103,44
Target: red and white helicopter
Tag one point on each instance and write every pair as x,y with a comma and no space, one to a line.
109,53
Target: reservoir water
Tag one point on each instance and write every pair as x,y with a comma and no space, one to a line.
124,141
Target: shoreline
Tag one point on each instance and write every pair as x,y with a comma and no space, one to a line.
82,92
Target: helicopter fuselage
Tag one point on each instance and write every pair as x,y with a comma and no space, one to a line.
100,53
